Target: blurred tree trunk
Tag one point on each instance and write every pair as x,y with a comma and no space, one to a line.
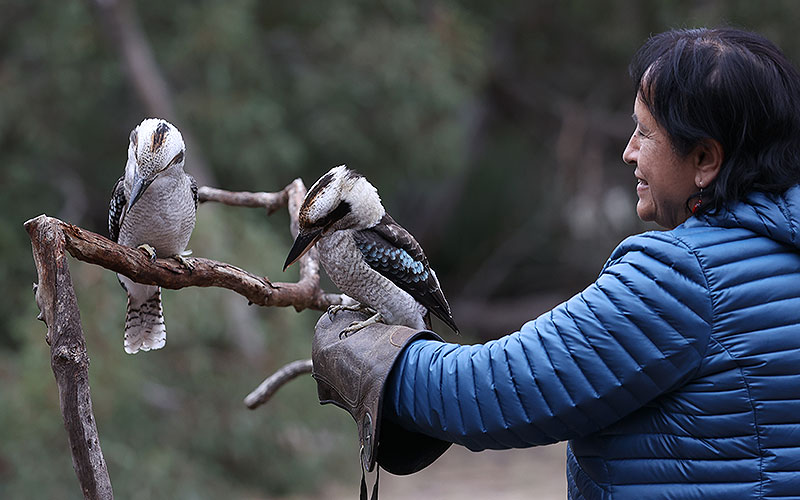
121,24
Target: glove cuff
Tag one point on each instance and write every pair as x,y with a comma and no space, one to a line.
351,373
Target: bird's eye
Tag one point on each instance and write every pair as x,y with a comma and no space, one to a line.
178,158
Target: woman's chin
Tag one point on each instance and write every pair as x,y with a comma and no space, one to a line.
644,211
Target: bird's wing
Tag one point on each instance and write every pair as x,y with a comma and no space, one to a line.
193,186
392,251
116,208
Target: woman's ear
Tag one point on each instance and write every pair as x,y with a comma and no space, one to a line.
708,156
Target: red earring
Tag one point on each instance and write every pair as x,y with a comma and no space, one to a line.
699,202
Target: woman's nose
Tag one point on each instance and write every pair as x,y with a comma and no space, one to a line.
631,152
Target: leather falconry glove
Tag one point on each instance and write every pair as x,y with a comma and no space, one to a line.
351,373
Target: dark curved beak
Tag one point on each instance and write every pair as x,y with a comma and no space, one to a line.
302,244
139,187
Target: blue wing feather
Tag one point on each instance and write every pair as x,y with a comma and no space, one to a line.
392,251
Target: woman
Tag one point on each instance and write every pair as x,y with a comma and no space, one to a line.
677,373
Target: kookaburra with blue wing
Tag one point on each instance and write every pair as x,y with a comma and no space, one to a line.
153,207
367,255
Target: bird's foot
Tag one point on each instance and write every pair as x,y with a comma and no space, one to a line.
149,251
358,325
357,307
184,261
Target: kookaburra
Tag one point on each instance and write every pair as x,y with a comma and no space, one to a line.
153,207
367,255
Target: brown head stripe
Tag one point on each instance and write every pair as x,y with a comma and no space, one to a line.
317,187
159,136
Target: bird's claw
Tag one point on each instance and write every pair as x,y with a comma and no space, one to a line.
358,325
149,251
184,262
335,308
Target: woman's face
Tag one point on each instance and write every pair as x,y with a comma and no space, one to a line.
665,180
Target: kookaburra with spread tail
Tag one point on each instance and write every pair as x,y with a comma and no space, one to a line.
367,255
153,207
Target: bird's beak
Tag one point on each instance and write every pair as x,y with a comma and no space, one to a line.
139,187
302,244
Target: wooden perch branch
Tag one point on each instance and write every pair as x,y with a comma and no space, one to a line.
55,297
271,384
168,273
269,201
52,239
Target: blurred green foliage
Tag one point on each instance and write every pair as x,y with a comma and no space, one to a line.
493,131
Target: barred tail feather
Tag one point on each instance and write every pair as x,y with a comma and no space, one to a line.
144,325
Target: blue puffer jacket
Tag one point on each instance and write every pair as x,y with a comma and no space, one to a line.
675,375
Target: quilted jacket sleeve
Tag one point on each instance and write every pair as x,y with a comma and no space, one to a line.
637,332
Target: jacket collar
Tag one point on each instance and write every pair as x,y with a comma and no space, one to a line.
775,216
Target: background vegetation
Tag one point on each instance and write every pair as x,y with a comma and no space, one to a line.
493,131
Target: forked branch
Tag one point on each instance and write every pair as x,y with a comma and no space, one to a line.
271,384
52,239
55,297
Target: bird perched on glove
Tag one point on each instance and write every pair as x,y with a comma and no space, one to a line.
153,207
368,255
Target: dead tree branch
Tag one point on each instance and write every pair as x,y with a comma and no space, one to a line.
93,248
56,299
270,201
271,384
52,239
169,273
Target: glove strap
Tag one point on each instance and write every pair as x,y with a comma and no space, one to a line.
374,495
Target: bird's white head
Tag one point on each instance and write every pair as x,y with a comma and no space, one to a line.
156,148
340,199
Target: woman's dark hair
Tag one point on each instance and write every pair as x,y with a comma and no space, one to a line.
733,86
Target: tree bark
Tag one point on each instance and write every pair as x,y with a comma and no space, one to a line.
271,384
270,201
169,273
52,239
56,299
